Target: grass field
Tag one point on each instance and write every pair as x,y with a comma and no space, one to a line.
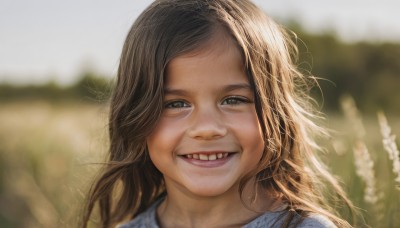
45,155
46,151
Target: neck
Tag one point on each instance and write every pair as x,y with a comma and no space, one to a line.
227,210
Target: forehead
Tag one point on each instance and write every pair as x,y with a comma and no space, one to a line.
214,66
220,51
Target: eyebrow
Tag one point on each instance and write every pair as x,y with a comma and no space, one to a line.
227,88
232,87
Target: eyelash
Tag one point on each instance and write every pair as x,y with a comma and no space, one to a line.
172,104
179,104
237,99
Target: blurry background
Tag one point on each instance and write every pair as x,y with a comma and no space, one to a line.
57,59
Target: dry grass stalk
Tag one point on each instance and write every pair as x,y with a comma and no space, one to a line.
351,112
40,206
389,143
365,170
362,159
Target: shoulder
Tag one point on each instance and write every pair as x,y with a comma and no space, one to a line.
268,219
276,219
146,219
316,221
141,221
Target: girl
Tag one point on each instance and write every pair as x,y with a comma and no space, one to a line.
208,126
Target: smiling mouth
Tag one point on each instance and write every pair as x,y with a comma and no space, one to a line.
207,157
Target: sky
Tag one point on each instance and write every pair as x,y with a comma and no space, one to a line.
46,40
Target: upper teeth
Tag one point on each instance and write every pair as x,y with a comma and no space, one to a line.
207,157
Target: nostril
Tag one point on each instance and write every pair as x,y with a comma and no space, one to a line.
207,132
206,124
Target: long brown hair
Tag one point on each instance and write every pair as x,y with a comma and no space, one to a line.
129,183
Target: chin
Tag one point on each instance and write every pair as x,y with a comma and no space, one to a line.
211,190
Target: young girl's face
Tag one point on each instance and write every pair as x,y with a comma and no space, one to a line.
209,136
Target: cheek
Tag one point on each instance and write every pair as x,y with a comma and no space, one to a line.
164,137
254,141
248,131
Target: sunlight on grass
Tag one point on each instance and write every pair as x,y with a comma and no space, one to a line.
44,156
46,151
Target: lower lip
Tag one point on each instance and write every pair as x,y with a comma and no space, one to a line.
209,163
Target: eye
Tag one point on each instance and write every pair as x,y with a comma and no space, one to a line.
176,104
235,100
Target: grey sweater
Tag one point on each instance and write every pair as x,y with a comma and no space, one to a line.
148,219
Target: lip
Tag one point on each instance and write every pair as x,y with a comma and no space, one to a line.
208,163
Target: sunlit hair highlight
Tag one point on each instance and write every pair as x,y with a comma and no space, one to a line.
129,183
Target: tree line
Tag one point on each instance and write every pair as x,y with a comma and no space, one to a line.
369,72
90,87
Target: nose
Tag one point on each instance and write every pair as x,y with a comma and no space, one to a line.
207,125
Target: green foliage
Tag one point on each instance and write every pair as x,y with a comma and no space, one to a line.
89,88
369,72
